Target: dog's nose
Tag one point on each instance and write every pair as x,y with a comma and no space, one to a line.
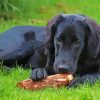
62,69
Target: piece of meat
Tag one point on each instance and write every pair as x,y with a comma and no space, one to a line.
57,80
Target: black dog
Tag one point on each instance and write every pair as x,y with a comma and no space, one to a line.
74,47
71,44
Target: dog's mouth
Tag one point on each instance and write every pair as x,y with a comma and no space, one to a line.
62,71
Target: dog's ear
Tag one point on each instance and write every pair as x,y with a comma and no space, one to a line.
51,27
50,31
93,45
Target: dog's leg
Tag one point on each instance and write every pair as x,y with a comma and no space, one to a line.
38,62
91,78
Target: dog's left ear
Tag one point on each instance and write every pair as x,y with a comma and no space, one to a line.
93,45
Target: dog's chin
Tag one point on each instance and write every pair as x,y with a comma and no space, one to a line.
63,72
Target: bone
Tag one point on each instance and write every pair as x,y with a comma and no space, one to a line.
53,81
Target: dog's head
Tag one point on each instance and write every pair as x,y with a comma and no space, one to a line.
69,35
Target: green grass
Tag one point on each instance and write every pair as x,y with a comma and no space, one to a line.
9,91
38,12
45,9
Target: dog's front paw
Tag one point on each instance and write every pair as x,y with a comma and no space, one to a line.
38,74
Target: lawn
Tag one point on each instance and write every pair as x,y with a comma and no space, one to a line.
9,91
38,12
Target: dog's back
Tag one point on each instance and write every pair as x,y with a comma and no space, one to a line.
19,42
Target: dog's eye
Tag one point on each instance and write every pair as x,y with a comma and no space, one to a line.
58,39
62,37
76,43
59,42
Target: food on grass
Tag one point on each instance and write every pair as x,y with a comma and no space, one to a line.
56,81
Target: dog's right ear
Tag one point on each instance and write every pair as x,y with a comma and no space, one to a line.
50,31
51,27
